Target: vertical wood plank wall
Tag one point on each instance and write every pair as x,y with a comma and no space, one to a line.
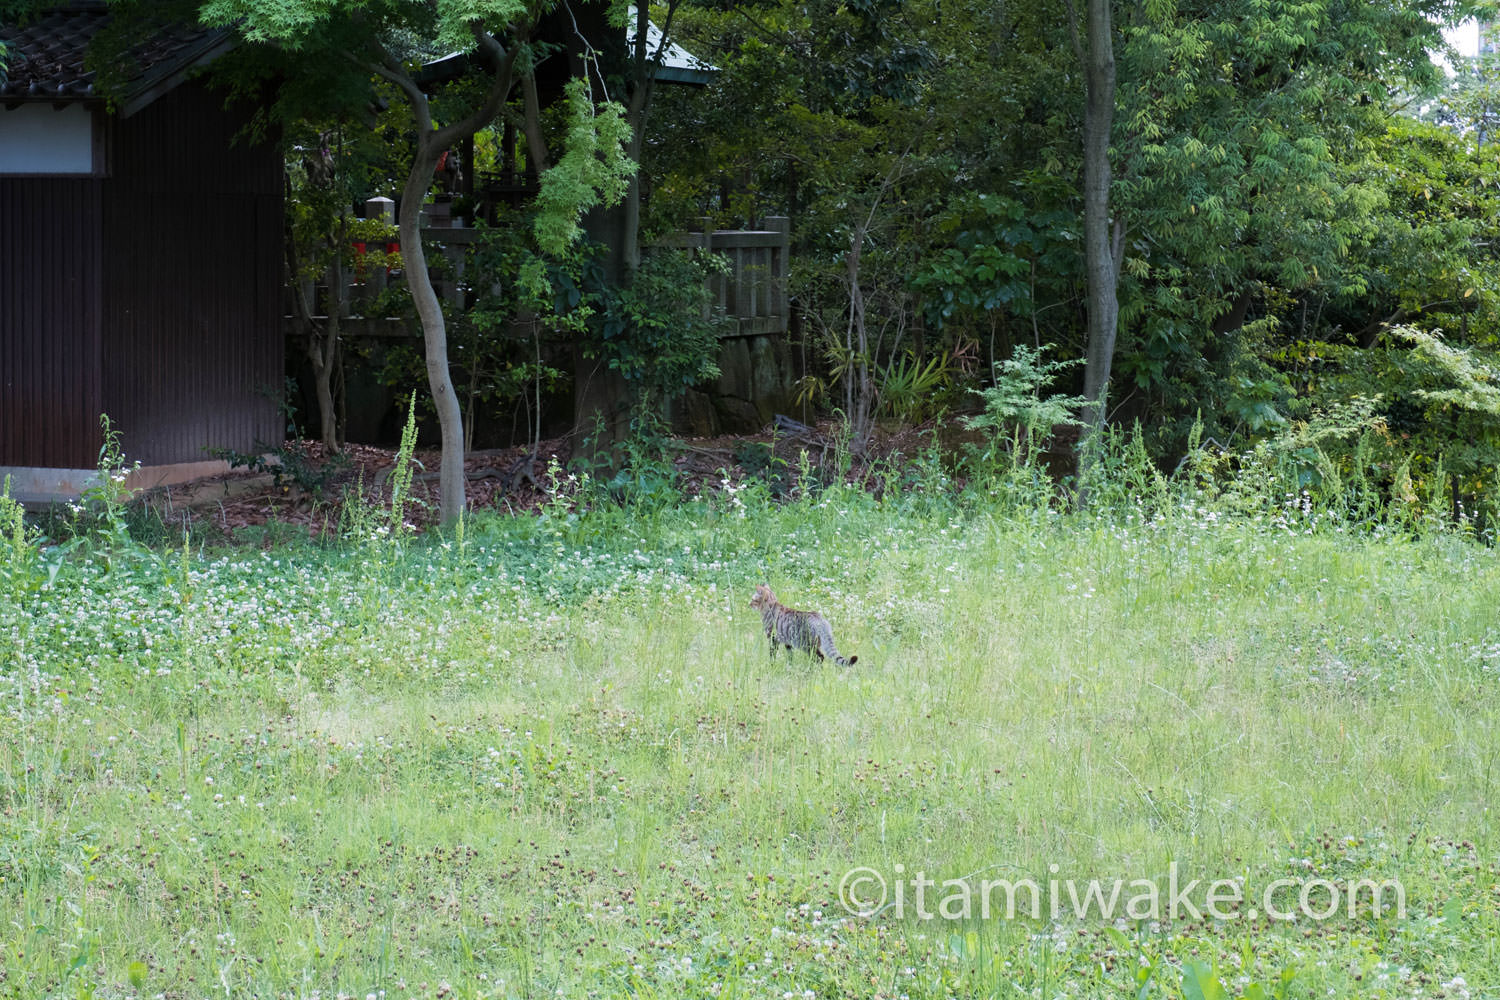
50,395
192,342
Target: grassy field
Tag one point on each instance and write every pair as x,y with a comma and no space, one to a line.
551,757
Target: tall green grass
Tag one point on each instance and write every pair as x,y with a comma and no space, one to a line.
549,755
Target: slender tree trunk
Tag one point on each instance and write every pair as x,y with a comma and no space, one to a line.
531,125
322,352
644,64
323,385
430,145
434,328
631,214
1103,237
1103,304
319,343
607,408
859,345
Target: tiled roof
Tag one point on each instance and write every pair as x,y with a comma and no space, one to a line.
46,58
676,64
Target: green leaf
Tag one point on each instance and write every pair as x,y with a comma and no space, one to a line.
593,170
1200,983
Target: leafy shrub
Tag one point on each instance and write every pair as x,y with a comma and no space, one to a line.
912,392
660,332
291,462
1407,429
760,462
1019,419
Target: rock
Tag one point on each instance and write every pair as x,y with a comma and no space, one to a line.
735,377
737,416
693,415
770,376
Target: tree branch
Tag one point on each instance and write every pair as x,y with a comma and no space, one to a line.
1073,31
389,68
646,67
1372,330
494,99
531,124
1117,243
590,54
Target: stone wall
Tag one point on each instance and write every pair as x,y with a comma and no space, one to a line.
757,380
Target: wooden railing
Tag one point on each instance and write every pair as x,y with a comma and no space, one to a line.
752,292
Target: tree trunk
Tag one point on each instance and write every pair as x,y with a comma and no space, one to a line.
430,145
1103,241
605,404
644,64
434,329
1235,317
630,220
322,367
319,344
858,345
322,353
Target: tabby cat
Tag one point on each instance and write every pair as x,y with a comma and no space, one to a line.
804,630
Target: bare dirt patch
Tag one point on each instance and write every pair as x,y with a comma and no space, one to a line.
510,480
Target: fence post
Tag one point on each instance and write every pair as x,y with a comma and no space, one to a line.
781,256
719,282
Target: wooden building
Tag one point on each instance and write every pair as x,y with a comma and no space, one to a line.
140,260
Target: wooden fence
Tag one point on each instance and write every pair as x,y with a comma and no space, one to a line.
752,292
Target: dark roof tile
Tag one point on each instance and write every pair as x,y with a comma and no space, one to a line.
47,57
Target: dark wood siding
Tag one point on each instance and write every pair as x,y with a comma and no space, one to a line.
49,322
192,342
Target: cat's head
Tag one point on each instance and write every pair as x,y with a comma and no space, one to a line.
763,596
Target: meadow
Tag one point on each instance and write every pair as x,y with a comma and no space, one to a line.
549,755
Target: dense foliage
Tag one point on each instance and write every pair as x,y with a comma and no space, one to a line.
1303,205
1278,207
